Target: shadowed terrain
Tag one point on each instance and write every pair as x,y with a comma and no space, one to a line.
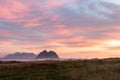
95,69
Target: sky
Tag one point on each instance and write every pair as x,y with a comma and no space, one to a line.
72,28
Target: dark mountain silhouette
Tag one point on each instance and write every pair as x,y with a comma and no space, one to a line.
47,55
19,55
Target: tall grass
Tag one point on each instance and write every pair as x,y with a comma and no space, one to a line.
104,69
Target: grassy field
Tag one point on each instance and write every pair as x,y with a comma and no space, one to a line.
104,69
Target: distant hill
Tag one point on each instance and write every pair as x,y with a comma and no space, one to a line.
19,55
47,55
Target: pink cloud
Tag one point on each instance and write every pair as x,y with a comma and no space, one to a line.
33,22
62,32
5,43
6,33
20,12
12,9
54,3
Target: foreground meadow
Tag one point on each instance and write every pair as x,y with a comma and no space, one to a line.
95,69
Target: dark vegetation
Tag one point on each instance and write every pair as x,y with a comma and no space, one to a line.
95,69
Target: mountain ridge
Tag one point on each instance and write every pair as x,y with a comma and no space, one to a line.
42,55
47,55
19,55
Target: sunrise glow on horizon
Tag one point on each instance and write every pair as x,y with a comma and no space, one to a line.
72,28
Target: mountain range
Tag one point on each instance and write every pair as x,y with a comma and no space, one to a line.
19,55
42,55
